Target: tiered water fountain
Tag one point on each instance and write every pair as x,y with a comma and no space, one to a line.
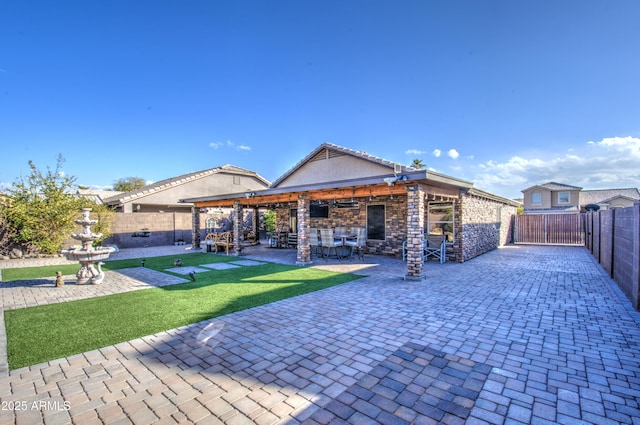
88,255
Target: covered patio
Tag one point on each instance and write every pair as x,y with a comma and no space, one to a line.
398,206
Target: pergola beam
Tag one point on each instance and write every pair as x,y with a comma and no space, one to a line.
355,192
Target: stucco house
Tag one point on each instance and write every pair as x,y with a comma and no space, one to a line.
559,198
336,186
165,195
154,215
551,198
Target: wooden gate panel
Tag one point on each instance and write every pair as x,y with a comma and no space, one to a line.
550,229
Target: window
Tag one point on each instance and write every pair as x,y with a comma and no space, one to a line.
563,197
236,179
210,224
440,219
536,198
375,222
293,220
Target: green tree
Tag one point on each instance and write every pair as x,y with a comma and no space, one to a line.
128,183
41,209
417,164
269,218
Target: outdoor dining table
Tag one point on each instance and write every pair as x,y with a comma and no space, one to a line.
344,237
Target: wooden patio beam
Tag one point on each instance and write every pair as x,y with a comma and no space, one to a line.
343,193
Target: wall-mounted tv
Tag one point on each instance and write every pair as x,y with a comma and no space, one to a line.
319,211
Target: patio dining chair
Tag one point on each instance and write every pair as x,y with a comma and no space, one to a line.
314,241
358,244
436,247
425,243
340,230
327,242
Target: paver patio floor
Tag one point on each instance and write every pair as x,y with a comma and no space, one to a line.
519,335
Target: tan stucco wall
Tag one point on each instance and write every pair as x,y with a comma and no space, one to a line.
621,203
574,198
342,167
550,198
546,198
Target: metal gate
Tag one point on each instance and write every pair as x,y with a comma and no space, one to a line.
550,229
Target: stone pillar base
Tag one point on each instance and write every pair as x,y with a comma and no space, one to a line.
304,263
419,278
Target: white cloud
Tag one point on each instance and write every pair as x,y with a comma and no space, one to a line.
437,153
630,145
609,163
415,152
230,144
453,153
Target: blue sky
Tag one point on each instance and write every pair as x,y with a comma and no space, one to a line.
506,94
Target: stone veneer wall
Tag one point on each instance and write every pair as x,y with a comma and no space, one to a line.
303,255
283,214
395,222
454,253
481,225
485,225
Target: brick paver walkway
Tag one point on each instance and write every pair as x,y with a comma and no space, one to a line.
518,335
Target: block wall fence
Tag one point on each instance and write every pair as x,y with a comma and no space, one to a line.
613,237
136,230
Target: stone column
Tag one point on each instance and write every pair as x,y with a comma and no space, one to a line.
195,228
255,223
303,255
415,232
237,228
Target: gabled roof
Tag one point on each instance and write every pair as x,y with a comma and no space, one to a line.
357,186
329,148
601,196
98,196
553,187
180,180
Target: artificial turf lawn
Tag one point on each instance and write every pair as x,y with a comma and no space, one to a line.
43,333
156,263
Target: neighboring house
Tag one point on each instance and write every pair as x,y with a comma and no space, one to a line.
552,198
153,215
335,186
165,195
607,199
558,198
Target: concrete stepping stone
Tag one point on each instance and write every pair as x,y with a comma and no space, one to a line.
220,266
187,269
248,263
